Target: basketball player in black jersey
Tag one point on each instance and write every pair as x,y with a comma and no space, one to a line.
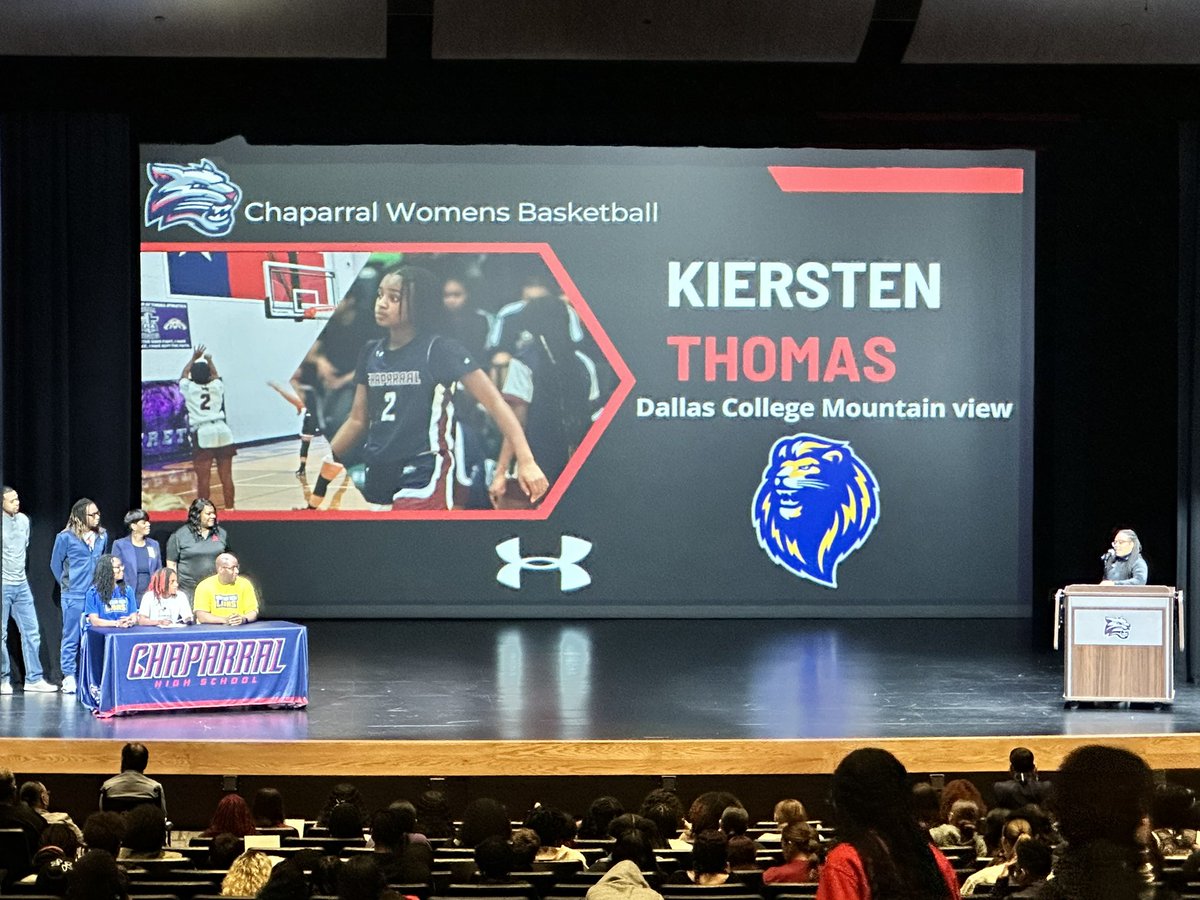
401,424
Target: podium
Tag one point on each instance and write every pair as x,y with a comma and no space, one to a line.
1119,641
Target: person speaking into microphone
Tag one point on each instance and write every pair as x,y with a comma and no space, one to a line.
1123,563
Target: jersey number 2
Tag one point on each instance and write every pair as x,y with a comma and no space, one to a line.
389,401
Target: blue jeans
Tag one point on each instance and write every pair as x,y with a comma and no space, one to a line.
68,651
18,603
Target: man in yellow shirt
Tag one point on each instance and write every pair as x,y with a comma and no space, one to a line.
225,598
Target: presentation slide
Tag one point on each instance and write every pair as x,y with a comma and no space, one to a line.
595,381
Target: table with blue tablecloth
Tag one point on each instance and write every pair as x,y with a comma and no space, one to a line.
142,669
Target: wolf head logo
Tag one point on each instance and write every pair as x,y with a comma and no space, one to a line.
198,195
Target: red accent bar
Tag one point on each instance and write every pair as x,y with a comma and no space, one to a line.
825,180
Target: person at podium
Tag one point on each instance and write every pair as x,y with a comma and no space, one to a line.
225,598
1123,563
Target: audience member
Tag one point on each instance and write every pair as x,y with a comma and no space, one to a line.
346,822
324,877
624,881
1006,853
96,876
788,811
800,846
401,860
961,828
247,875
433,815
493,861
341,793
883,851
146,835
287,882
58,844
224,849
665,810
743,854
1102,795
1171,817
1030,870
735,821
408,820
232,816
525,845
132,786
104,831
360,878
602,811
926,805
483,818
37,795
54,877
960,789
630,831
555,830
15,814
705,812
710,861
1023,786
267,808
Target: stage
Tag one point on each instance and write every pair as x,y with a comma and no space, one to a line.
627,698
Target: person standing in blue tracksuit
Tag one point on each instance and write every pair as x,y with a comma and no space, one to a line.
73,564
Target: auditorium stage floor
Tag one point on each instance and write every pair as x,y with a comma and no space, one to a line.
637,684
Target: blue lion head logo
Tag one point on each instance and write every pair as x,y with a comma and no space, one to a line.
816,504
1116,626
197,195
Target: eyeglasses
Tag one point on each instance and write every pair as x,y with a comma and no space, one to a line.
94,515
1119,541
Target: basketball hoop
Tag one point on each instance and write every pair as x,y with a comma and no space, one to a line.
318,312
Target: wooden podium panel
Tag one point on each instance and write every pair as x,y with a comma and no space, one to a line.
1119,643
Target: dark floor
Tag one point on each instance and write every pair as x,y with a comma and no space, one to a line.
529,680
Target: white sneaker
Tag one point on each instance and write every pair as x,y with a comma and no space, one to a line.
68,685
6,687
40,687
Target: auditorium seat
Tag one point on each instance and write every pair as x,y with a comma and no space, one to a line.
420,891
155,868
779,888
521,890
559,867
327,844
801,892
543,882
184,890
15,856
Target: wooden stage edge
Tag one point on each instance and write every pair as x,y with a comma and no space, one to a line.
573,758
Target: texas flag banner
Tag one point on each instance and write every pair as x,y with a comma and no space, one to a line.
239,275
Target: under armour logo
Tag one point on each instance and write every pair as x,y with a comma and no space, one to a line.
571,575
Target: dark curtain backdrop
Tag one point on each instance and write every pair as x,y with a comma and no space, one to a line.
68,329
1188,519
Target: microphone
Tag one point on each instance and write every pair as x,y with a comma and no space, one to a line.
1109,556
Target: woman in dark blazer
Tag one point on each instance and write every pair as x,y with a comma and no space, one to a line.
139,552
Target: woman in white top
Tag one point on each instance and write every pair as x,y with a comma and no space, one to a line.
164,603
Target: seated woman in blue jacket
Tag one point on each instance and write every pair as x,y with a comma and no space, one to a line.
109,601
